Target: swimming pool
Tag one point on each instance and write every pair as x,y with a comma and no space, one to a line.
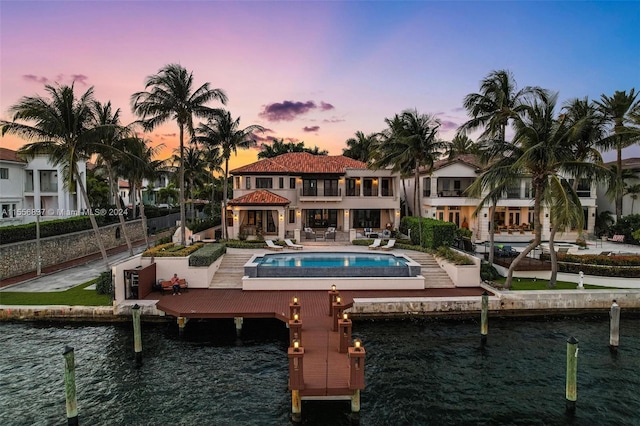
315,267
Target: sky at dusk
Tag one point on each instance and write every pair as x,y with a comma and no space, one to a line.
318,71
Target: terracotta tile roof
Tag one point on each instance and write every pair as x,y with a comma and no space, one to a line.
627,163
301,163
7,154
260,197
468,159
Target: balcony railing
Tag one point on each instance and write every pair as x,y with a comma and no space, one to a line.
328,192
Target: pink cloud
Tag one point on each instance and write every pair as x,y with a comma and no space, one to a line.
287,110
326,106
35,79
448,125
311,128
333,120
80,78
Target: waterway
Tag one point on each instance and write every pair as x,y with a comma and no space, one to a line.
418,372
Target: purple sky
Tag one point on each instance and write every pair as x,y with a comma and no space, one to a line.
319,71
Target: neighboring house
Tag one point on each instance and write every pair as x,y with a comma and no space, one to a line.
274,197
29,188
443,197
630,202
149,189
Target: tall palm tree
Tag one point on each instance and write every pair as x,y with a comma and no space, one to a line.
462,144
633,191
498,102
61,129
279,147
172,97
113,139
410,144
618,111
195,172
541,149
136,167
360,146
225,132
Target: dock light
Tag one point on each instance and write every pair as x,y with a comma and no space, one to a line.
295,300
296,317
357,344
345,316
296,346
338,300
333,287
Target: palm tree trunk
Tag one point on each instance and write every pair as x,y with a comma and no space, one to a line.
225,185
554,258
120,215
144,219
182,212
417,202
406,207
492,234
92,218
537,226
620,194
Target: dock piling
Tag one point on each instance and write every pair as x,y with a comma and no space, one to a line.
238,321
137,334
333,295
572,372
70,386
296,379
345,326
484,318
614,326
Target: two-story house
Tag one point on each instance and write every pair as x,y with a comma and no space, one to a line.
35,187
444,197
276,196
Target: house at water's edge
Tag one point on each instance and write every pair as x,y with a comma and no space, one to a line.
274,197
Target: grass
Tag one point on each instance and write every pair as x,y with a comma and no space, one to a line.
74,296
540,284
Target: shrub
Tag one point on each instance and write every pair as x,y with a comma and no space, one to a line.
435,233
104,283
206,255
171,250
245,244
203,224
488,272
49,228
452,256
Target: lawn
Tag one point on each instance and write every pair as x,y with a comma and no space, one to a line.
74,296
540,284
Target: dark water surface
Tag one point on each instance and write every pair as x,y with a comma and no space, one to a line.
418,372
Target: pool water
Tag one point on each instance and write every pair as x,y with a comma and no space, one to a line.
331,260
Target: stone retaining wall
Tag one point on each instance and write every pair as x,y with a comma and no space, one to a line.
21,258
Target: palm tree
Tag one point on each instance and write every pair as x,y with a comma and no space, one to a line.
137,166
113,140
279,147
62,130
360,146
498,102
462,144
633,191
410,143
618,111
225,133
195,172
172,97
542,149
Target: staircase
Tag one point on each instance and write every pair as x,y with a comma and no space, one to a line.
434,275
230,272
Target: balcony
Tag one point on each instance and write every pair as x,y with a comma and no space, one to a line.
328,194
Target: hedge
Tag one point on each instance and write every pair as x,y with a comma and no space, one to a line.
171,250
208,254
49,228
435,233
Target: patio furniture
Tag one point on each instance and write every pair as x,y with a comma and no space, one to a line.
330,234
293,245
309,234
272,246
376,244
389,245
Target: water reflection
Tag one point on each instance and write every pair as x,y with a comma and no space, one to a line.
417,373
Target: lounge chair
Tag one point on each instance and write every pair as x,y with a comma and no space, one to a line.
389,245
330,234
376,244
293,245
272,246
309,234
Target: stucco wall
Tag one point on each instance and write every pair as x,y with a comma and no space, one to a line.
21,258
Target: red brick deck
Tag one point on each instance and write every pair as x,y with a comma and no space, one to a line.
325,370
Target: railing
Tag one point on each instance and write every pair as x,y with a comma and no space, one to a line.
328,192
